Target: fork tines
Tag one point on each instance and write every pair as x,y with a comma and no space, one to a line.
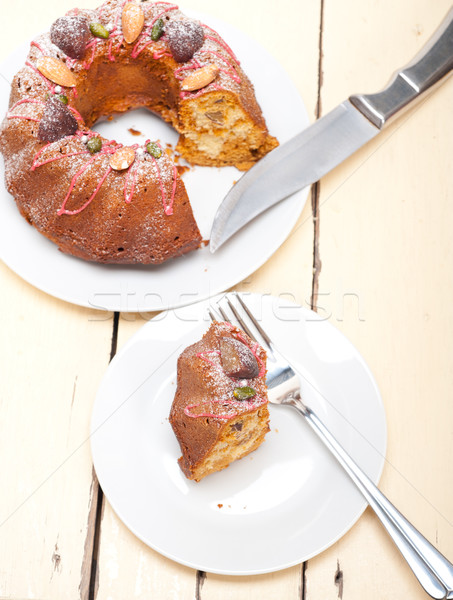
238,313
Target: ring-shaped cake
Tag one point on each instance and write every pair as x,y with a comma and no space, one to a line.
95,198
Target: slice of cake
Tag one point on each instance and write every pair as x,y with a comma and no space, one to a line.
219,413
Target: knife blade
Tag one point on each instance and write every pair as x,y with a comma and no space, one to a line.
321,147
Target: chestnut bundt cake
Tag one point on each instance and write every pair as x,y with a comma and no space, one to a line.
219,413
95,198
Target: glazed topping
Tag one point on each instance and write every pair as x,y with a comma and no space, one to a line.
71,34
94,145
237,359
244,393
157,30
154,149
132,21
57,121
56,71
99,31
184,39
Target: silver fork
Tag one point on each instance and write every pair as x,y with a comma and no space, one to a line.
431,568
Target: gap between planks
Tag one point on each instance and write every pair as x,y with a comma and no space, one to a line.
89,576
88,585
316,188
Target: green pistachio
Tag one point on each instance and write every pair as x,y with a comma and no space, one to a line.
157,30
244,393
153,149
94,145
62,97
99,31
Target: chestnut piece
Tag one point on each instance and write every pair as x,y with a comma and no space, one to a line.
57,121
184,38
237,359
71,34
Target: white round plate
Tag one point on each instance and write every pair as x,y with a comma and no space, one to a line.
192,277
275,508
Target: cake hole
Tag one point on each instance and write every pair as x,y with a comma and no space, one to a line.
153,127
120,249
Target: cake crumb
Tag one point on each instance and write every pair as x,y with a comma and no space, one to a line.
134,131
220,505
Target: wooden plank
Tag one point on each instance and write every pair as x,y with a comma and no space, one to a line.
386,281
53,355
288,272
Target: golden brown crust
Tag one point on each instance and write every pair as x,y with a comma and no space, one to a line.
141,214
205,414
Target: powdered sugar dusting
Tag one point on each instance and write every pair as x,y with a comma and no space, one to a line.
184,38
67,158
57,121
219,401
71,34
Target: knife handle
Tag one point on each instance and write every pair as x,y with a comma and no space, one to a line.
425,71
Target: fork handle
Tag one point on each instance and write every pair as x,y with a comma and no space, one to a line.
431,568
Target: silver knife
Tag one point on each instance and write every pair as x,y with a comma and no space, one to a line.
329,141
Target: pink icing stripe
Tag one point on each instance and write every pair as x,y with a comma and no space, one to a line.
136,50
162,190
158,16
48,83
221,43
259,361
26,100
113,35
77,114
254,349
110,55
194,64
78,210
157,55
231,74
23,117
168,208
233,403
62,210
202,355
230,402
118,13
213,86
133,174
49,160
70,62
37,46
87,65
211,415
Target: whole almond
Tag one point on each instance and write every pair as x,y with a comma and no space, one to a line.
200,78
132,21
56,71
122,159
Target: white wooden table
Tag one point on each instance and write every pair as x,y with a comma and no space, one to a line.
372,252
